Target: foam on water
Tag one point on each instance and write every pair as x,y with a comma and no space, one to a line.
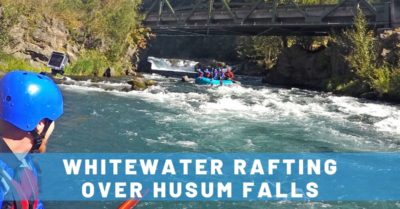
185,144
171,64
344,119
390,124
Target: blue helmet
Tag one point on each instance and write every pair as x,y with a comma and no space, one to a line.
27,98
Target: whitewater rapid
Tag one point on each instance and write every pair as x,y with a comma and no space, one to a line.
336,123
177,65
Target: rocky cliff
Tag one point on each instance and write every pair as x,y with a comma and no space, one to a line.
96,35
37,43
326,68
389,46
299,67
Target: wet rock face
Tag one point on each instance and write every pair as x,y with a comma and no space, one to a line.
252,69
299,67
49,35
109,72
389,46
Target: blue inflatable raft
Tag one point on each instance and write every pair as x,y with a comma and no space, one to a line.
207,81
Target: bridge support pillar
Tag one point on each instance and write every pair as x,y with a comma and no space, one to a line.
395,13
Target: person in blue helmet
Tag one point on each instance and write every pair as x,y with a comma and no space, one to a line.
29,105
216,74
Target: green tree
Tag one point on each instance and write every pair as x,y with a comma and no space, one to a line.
362,58
266,48
382,78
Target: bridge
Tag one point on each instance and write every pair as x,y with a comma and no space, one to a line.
263,17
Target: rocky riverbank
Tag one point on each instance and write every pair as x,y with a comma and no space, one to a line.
119,83
124,83
29,48
326,68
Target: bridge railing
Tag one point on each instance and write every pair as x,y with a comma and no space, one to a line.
264,13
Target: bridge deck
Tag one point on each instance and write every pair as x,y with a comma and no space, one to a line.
267,19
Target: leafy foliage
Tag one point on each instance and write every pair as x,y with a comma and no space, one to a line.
382,78
394,85
266,48
110,29
362,57
91,63
360,49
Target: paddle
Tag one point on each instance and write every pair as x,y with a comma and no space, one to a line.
130,204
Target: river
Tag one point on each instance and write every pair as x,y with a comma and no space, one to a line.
183,117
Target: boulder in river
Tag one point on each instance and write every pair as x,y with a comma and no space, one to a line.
150,82
139,83
185,78
109,72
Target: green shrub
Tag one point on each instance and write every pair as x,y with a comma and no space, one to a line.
382,80
9,62
394,85
362,58
91,63
266,48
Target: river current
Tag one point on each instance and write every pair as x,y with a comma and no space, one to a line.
183,117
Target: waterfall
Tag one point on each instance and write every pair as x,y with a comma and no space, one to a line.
175,65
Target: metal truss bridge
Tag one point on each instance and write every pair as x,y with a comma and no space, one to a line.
263,17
